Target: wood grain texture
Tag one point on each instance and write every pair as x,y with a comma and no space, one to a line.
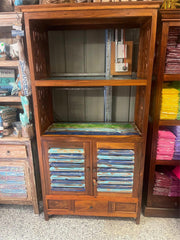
13,151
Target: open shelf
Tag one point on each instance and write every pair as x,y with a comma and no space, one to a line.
89,82
6,99
9,63
171,77
168,162
107,129
169,122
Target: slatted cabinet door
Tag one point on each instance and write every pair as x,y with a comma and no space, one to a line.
14,181
115,169
68,167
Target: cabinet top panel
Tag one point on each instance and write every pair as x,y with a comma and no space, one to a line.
135,6
170,15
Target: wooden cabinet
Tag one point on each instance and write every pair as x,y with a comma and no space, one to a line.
17,174
19,171
92,161
155,205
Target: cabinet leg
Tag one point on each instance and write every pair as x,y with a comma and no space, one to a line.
36,207
138,220
46,216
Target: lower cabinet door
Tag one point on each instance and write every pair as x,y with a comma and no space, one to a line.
115,168
14,181
68,167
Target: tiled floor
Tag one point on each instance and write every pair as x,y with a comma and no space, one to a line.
20,223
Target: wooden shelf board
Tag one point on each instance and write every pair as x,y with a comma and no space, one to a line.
14,139
10,99
168,162
171,77
9,63
169,122
93,130
9,18
90,83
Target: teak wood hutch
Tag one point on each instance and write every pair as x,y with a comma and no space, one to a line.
85,187
18,157
155,205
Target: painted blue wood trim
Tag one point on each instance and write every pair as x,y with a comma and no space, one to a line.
66,169
115,182
114,190
91,133
66,160
11,182
118,174
115,166
115,162
67,185
68,189
15,191
114,152
115,170
125,158
12,173
61,173
66,150
54,177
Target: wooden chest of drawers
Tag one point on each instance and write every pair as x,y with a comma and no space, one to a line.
17,172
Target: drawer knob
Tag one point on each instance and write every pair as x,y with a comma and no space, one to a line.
91,207
8,152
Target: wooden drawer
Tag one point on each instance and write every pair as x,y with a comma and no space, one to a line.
13,151
62,205
117,207
91,206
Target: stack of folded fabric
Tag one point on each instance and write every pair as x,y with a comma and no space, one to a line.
173,52
176,85
176,131
166,183
7,117
165,145
170,103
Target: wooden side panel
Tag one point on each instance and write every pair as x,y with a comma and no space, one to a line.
44,100
40,51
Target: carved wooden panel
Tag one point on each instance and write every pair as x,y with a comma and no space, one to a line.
144,44
45,110
39,41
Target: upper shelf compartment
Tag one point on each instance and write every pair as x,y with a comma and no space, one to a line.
172,62
69,41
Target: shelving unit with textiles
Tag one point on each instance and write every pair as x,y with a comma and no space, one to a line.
18,155
163,147
91,124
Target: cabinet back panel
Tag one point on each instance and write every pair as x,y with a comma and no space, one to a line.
88,105
76,51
